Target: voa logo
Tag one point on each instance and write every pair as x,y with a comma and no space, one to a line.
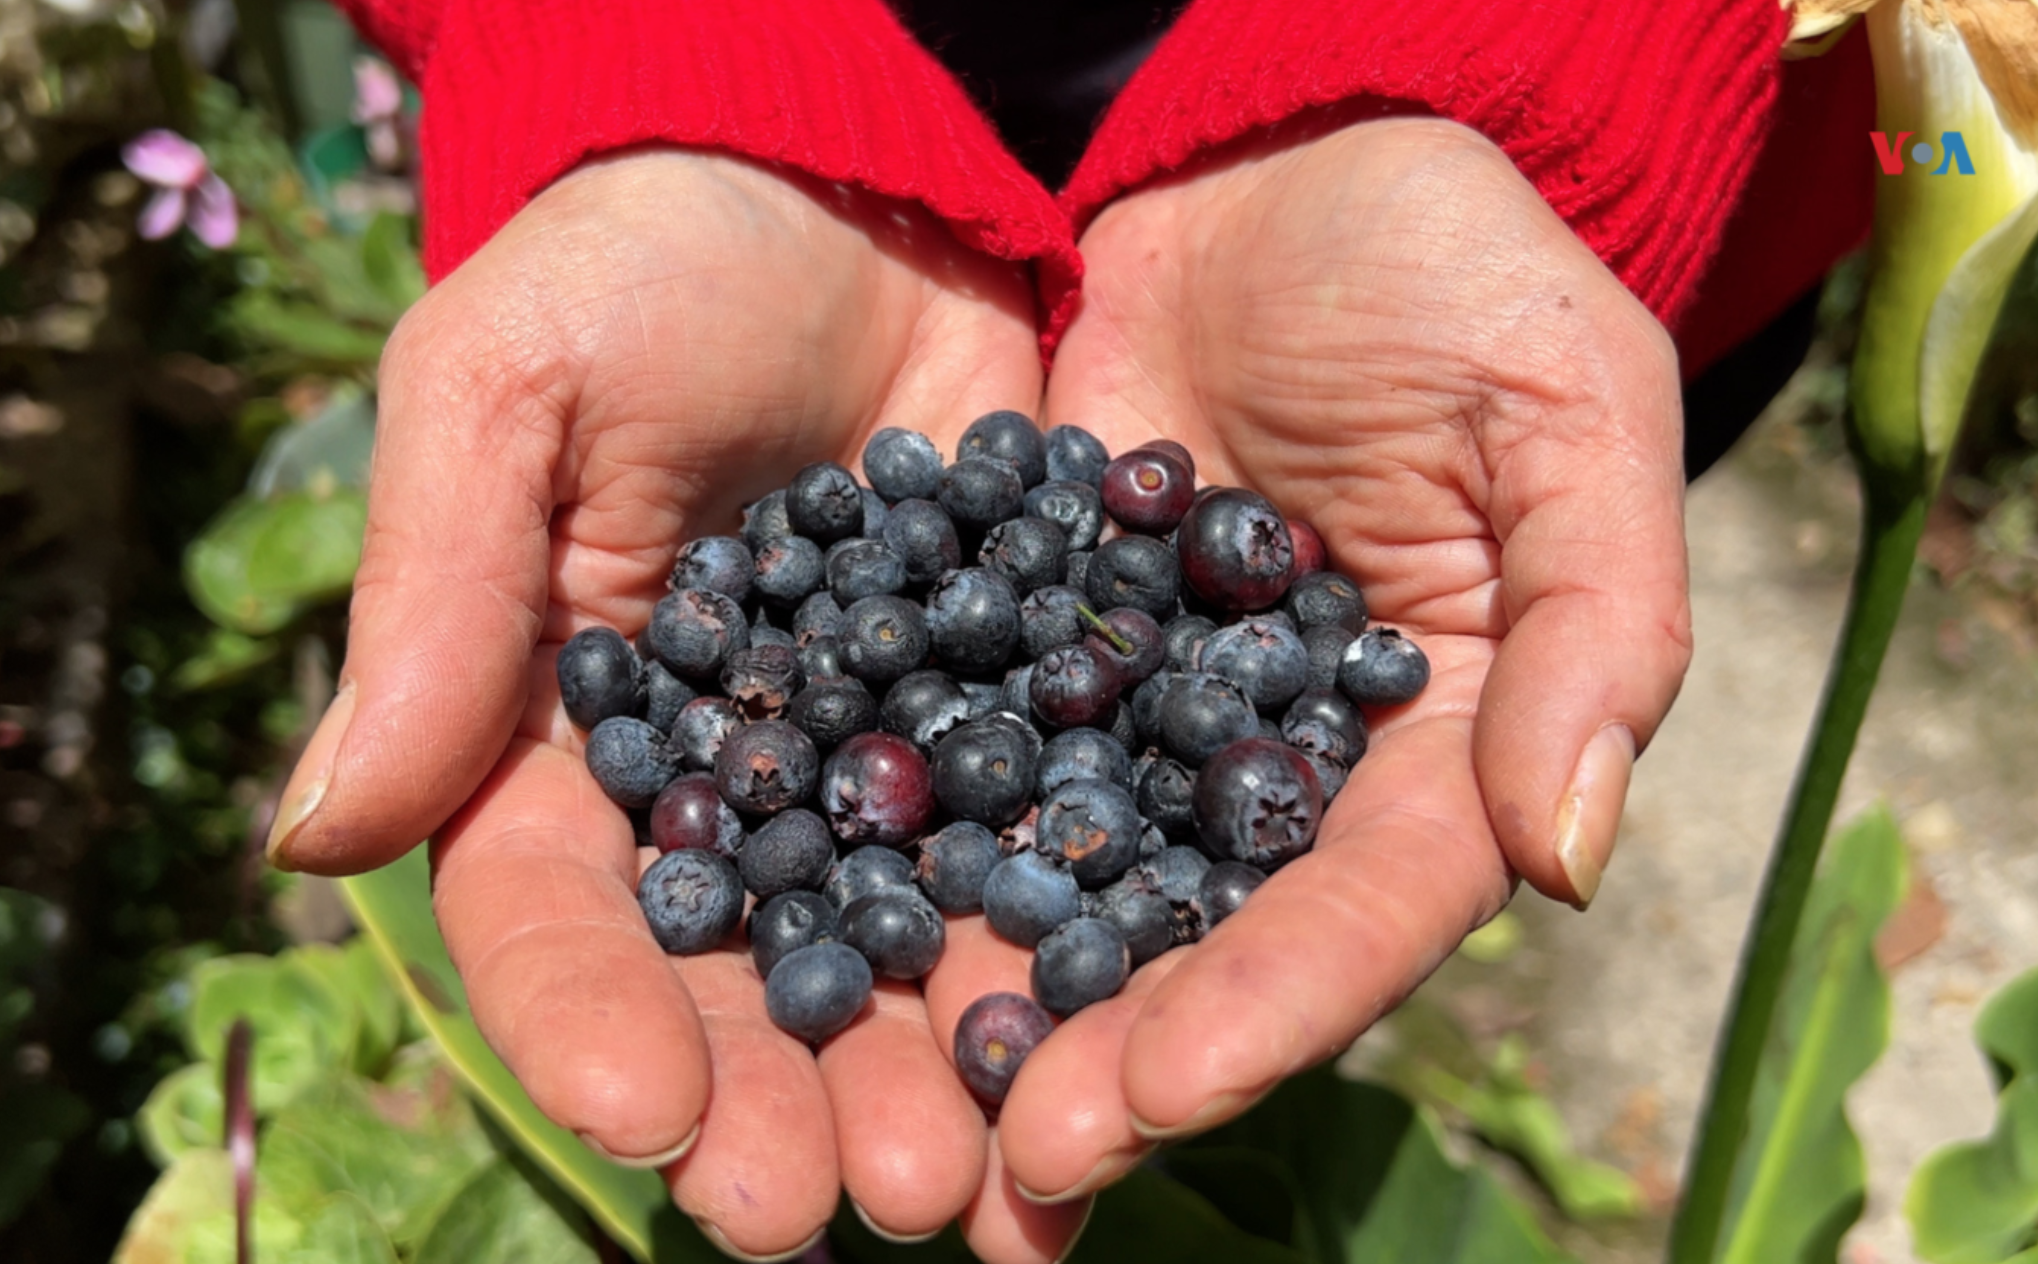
1951,154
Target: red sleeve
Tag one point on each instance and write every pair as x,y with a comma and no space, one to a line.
517,92
1640,124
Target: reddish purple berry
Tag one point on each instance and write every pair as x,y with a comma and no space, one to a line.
690,813
1235,550
1073,687
877,788
994,1037
1147,491
1259,802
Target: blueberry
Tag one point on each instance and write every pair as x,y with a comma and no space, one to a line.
901,464
1176,873
1028,895
923,536
1048,620
701,728
1169,448
864,568
788,571
1146,703
1082,754
762,680
786,923
1326,647
722,563
1121,728
630,760
984,771
821,657
763,636
979,493
1310,555
1141,916
667,693
877,788
1016,694
1009,437
1258,801
766,521
875,513
767,767
1382,668
1072,687
792,851
1326,599
1225,886
692,899
972,620
831,710
900,934
690,813
1136,571
1075,455
1147,491
1133,644
693,631
867,871
1076,570
954,863
1330,774
923,707
824,503
600,677
819,616
1167,797
1235,550
993,1038
1201,714
1078,964
983,697
1264,659
1325,722
883,638
1094,826
1028,552
1074,507
816,991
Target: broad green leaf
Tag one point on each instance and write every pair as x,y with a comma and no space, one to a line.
391,262
35,1122
187,1217
341,1230
355,977
225,657
499,1217
305,330
1976,1202
262,562
1800,1179
393,907
1373,1180
331,448
303,1032
1147,1216
185,1111
1250,1188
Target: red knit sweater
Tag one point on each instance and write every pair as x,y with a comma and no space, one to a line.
1717,181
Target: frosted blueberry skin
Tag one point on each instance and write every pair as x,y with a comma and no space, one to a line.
692,631
1029,552
1225,887
1167,797
1078,964
1074,507
824,503
898,932
1028,895
665,695
763,679
1048,620
830,711
1136,571
703,725
790,852
864,568
985,771
901,464
877,789
765,521
924,537
1141,915
1010,437
1325,722
1139,648
1382,668
869,870
923,707
691,899
1326,649
954,864
1235,550
767,767
979,493
721,563
789,570
1082,754
816,991
883,638
1075,455
1265,659
600,677
1326,599
786,923
1095,827
1259,802
993,1038
630,761
1201,714
972,619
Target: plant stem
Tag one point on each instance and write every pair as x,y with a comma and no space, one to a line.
1105,630
1889,543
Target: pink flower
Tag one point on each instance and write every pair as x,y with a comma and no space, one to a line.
378,107
186,190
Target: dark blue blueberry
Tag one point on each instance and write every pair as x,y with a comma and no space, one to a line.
875,512
1326,646
1226,886
703,725
1326,599
1330,774
816,991
1016,694
833,709
692,899
818,616
1201,714
877,788
983,696
1094,826
972,620
1079,964
1076,570
762,680
1141,916
900,934
954,864
824,503
1235,550
867,871
864,568
789,570
1082,754
1147,490
1073,687
693,630
786,923
1074,507
1131,642
600,677
631,761
923,536
821,658
1259,802
763,634
765,521
667,693
1264,659
901,464
690,813
1029,552
1270,730
883,638
1009,437
1176,873
984,771
767,767
1325,722
1146,703
1136,571
1183,639
1048,620
1028,895
923,707
1167,797
979,493
993,1038
1075,455
722,563
1382,668
791,852
1121,728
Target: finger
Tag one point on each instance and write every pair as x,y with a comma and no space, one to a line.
762,1181
1589,511
1002,1227
1065,1129
534,885
1404,868
909,1138
449,596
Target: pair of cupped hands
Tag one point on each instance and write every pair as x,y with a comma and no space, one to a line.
1380,326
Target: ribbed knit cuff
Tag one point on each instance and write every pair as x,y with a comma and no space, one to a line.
517,95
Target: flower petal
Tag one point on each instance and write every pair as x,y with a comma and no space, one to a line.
214,217
377,94
165,210
163,157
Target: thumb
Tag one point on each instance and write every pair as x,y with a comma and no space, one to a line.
447,604
1590,516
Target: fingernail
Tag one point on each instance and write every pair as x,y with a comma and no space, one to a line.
1108,1169
899,1239
728,1248
660,1159
1589,816
1076,1238
1216,1111
312,776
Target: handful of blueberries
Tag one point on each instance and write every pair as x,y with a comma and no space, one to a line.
1103,733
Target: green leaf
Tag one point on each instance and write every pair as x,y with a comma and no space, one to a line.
262,562
1963,319
305,330
1373,1182
1253,1190
342,1230
1147,1216
187,1217
1799,1179
225,657
354,976
185,1111
303,1032
500,1217
391,262
1976,1202
393,907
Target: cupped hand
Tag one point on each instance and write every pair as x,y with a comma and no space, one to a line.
1387,331
653,341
